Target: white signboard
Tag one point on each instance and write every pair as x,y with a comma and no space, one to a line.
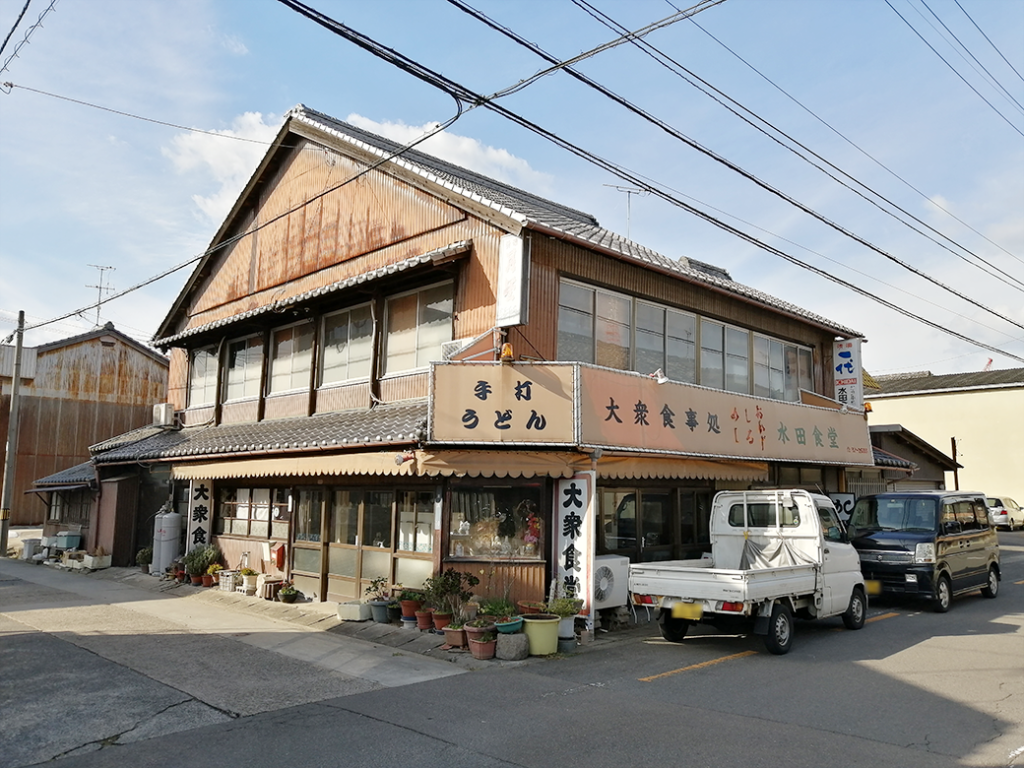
574,537
844,504
849,373
513,281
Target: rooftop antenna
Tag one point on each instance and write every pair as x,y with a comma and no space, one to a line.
100,288
629,191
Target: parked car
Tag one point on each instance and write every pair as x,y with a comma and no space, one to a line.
929,545
1004,512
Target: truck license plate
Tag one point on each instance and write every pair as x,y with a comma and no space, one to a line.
873,586
691,611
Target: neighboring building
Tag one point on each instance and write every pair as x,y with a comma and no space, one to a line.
75,392
978,416
927,464
387,365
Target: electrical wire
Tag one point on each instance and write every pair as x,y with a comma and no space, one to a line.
675,133
28,33
853,144
994,47
17,21
944,61
242,235
678,69
458,91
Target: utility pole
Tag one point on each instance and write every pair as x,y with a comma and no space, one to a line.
956,475
12,440
100,289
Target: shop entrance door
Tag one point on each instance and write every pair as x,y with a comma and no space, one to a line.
638,523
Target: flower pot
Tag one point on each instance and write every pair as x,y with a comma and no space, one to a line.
442,620
542,631
508,627
425,619
409,622
197,579
249,584
566,644
567,627
207,579
144,568
475,633
456,638
409,607
482,649
287,597
528,606
379,611
394,613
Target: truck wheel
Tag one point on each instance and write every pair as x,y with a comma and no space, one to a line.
856,611
943,595
780,630
991,589
673,630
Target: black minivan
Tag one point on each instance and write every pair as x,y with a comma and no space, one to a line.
926,544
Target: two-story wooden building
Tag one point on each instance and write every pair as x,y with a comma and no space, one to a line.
387,364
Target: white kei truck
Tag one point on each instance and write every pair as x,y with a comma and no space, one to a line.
775,554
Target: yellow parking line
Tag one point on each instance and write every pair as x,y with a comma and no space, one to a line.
1018,582
883,616
698,666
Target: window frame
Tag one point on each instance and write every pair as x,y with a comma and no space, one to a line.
273,360
419,349
208,387
227,384
326,346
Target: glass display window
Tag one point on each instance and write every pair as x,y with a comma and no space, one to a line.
490,522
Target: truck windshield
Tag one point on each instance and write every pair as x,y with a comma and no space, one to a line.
893,513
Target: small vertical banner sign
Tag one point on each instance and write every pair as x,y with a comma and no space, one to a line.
849,374
200,514
574,538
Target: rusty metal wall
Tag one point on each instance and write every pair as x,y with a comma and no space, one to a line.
286,406
527,579
239,413
405,387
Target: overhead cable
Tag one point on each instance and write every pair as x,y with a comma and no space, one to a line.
451,87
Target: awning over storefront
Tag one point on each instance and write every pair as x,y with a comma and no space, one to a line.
507,463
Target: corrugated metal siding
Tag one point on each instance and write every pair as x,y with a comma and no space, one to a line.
286,406
343,398
239,413
405,387
194,416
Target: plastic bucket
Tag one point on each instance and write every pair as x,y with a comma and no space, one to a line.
542,631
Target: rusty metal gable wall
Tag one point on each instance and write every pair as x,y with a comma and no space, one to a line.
91,370
371,222
177,379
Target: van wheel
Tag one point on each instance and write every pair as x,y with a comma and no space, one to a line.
943,595
780,630
991,589
673,630
856,611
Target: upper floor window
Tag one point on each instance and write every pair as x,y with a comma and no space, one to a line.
617,331
291,355
418,324
347,345
244,366
202,377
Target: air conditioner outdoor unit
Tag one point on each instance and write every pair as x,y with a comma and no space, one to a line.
163,415
611,581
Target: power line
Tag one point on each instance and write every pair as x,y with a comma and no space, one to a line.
675,133
458,91
922,39
17,21
242,235
678,69
853,144
994,47
28,33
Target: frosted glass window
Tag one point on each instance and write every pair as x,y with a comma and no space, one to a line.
202,377
244,366
680,346
418,324
348,345
291,354
712,357
737,360
650,338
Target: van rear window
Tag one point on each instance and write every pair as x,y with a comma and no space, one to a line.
763,515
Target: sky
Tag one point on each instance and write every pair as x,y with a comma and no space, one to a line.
919,102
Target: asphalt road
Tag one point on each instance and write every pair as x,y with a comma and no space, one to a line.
79,684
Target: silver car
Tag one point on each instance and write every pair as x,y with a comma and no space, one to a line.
1004,512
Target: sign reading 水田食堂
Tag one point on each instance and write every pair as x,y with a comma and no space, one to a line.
614,409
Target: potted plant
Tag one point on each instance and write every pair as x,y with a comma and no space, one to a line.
194,567
498,606
455,635
483,648
379,595
448,591
424,617
211,575
394,611
508,624
477,628
411,601
144,559
566,609
249,580
288,593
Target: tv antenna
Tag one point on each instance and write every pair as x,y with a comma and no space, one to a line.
630,191
100,288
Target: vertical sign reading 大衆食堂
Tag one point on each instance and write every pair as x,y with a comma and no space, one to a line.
200,514
573,536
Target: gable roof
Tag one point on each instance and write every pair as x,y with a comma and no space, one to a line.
905,436
483,193
96,333
925,382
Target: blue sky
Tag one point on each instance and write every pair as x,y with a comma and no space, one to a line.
81,186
